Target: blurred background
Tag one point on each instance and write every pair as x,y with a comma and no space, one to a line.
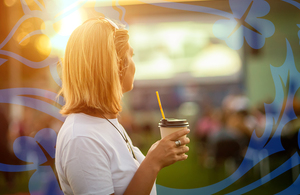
215,63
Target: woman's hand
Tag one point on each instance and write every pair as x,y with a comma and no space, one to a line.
165,152
161,154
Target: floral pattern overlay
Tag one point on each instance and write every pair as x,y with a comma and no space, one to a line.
247,21
39,153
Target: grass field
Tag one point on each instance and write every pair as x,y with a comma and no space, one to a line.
188,174
192,174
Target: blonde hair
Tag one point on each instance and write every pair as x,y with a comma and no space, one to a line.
93,66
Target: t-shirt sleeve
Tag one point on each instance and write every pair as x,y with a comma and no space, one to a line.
87,167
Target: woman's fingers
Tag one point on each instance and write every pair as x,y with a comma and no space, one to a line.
183,141
175,136
182,157
166,151
182,149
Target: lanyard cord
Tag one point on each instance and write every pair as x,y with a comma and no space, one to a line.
123,136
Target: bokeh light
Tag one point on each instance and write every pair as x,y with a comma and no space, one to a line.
216,60
9,3
43,45
21,40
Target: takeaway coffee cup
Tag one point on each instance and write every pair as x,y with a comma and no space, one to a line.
171,125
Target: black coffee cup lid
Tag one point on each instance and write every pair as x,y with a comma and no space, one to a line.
172,122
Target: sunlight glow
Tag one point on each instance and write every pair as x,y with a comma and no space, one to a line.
59,44
69,23
66,26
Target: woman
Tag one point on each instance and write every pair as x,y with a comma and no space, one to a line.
94,154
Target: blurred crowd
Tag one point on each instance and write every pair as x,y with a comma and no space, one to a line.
223,133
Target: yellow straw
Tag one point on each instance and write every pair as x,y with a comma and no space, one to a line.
161,110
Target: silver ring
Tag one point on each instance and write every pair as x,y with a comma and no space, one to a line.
178,143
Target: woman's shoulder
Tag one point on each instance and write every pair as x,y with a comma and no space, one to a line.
83,125
79,128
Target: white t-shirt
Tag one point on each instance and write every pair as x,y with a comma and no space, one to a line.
93,158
